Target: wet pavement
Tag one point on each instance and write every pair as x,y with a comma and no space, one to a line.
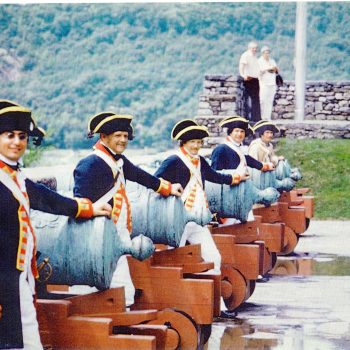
306,303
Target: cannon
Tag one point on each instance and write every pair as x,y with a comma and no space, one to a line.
293,213
83,251
146,205
284,170
267,179
284,179
237,201
296,196
188,326
170,214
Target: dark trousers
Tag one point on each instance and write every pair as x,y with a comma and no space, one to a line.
252,93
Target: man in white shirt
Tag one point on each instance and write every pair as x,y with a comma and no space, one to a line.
249,70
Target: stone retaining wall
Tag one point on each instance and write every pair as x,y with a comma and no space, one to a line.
327,107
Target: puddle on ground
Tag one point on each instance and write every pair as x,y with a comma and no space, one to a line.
247,337
307,265
304,306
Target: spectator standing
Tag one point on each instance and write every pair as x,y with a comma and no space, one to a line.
267,81
249,70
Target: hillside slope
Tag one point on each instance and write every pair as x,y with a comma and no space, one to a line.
70,61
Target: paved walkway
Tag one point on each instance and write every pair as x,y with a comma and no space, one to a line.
308,309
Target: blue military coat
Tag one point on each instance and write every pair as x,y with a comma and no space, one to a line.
40,198
93,177
224,157
173,169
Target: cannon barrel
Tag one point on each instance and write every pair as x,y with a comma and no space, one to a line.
84,251
284,170
237,201
267,179
161,219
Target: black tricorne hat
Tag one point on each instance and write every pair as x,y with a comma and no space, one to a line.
7,103
261,126
16,118
109,122
188,129
38,135
235,122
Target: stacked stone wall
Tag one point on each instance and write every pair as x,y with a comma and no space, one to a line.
323,101
327,107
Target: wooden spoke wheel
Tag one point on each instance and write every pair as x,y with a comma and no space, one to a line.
231,276
292,240
183,324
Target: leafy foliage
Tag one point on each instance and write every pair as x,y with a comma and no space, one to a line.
149,59
32,155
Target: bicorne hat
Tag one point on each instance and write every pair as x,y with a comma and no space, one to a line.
236,122
261,126
188,129
109,122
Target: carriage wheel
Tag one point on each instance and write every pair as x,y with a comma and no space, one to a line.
183,324
231,276
291,239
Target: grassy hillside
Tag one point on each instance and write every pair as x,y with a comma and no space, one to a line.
325,165
69,61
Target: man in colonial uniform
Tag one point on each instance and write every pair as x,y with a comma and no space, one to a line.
262,147
191,171
231,154
102,174
18,323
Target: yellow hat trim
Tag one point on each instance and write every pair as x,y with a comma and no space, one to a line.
111,117
254,128
181,121
14,109
9,101
42,130
233,119
189,128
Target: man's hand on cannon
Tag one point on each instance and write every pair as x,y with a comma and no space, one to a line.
0,311
101,209
245,176
176,190
268,167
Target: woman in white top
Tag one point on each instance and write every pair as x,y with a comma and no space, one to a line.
267,82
